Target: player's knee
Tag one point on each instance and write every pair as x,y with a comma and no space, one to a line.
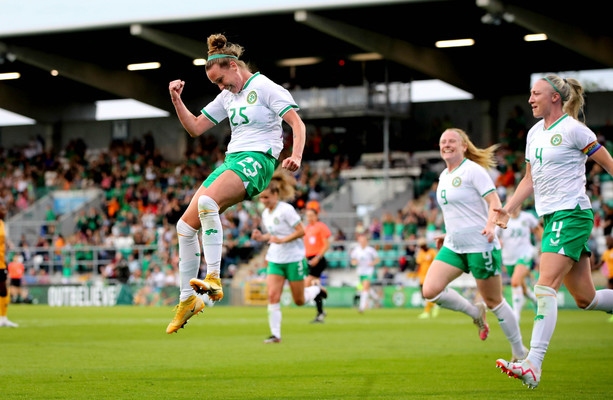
515,282
184,230
207,204
582,301
431,294
274,298
492,300
299,302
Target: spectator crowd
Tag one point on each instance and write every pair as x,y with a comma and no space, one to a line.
145,195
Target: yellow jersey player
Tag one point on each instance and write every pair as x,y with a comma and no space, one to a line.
425,256
5,298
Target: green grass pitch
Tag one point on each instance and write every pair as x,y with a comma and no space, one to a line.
124,353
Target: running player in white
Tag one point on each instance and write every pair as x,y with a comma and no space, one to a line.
518,253
255,107
365,258
557,149
467,197
285,255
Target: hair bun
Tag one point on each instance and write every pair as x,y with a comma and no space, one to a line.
217,42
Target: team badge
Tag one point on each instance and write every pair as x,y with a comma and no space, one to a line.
252,97
457,181
556,139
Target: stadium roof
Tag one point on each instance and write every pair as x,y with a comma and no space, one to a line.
89,44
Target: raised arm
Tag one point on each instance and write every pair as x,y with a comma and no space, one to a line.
195,126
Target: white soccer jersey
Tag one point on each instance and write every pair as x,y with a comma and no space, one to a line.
460,195
281,222
255,115
365,257
516,239
557,159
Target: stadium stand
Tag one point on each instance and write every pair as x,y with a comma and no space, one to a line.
86,213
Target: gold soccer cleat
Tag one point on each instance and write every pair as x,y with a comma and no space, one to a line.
184,311
209,285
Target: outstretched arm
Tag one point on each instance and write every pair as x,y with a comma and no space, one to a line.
602,157
522,192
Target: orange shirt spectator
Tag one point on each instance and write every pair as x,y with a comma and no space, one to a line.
58,244
112,207
507,178
316,236
16,269
313,205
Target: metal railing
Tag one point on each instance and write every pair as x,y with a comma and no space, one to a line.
79,259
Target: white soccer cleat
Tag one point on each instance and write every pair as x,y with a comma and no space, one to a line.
8,324
524,370
273,339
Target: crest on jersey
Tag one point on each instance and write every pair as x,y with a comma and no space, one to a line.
457,181
276,221
252,97
556,139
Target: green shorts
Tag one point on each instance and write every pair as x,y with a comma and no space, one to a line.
481,265
566,232
253,167
523,261
368,277
294,271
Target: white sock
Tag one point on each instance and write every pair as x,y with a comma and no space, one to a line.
373,294
189,257
452,300
603,301
510,327
310,292
544,324
530,295
274,319
212,234
363,300
517,296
